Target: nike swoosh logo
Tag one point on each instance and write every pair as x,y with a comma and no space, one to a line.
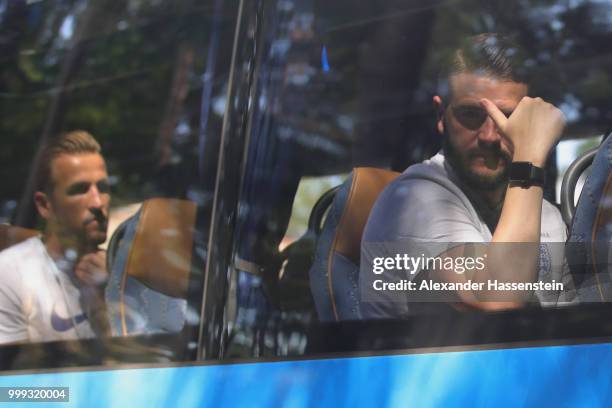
62,324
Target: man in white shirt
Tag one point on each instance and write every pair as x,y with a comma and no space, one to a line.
480,198
51,287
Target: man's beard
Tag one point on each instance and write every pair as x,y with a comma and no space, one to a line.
98,236
468,176
82,240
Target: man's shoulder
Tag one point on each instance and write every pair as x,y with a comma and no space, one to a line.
416,202
407,191
431,169
21,251
19,264
422,181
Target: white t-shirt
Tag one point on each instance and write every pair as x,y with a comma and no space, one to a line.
38,301
428,204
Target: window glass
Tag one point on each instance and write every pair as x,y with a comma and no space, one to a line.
147,80
567,152
343,85
309,191
262,135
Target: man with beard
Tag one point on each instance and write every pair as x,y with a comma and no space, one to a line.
53,286
478,199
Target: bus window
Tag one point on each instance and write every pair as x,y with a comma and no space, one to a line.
339,86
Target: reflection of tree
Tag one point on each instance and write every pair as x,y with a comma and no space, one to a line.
127,72
568,53
69,67
174,104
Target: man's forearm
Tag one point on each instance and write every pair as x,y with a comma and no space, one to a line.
521,216
513,254
520,222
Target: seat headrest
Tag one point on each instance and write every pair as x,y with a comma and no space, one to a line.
160,256
366,186
11,235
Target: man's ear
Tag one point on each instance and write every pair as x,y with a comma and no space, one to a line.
43,204
439,107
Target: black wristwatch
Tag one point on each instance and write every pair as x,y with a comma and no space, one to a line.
526,174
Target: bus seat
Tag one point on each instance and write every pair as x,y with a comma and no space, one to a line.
335,270
293,286
149,259
588,249
11,235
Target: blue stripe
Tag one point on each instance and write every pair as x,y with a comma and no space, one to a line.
548,376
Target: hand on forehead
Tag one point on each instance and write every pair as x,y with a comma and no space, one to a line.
470,88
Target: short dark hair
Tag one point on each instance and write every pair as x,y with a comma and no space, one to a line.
489,54
74,142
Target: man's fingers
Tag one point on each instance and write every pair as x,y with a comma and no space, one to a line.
91,269
96,259
498,116
84,276
91,277
90,263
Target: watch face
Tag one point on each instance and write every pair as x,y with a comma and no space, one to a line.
527,174
520,171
